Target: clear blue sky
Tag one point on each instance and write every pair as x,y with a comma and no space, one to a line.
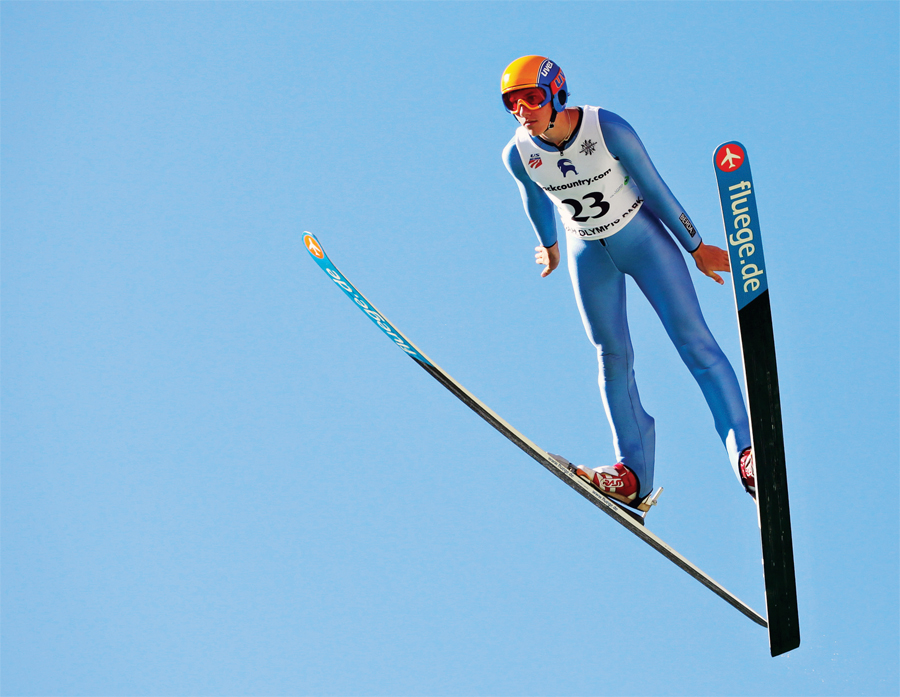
219,478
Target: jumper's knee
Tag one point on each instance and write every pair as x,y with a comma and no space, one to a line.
700,356
613,366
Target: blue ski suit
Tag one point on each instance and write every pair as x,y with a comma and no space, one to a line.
643,249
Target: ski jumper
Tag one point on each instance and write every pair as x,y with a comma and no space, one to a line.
613,204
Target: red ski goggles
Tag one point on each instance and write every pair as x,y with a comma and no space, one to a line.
532,97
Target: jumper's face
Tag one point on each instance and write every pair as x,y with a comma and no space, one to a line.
531,107
537,121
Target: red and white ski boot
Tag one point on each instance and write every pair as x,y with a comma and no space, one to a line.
618,482
747,468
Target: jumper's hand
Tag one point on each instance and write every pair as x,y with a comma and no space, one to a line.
548,256
710,259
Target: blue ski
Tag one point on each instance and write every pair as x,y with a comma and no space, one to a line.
751,292
557,465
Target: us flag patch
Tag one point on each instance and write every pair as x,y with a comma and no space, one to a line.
535,161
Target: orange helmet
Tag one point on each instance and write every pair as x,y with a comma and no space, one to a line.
539,72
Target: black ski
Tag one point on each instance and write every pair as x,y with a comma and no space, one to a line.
751,291
555,464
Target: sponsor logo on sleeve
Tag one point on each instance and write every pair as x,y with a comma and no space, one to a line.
687,224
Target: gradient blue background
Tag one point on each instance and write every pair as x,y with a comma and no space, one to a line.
219,478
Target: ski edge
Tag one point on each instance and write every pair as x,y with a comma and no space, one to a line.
542,457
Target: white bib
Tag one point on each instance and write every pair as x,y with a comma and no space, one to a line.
592,191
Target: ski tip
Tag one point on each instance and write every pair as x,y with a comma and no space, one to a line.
312,245
730,142
730,156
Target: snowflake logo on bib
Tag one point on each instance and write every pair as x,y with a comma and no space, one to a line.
588,147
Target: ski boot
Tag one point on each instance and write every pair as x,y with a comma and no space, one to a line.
618,482
747,468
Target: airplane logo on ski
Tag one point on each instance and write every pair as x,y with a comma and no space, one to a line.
313,246
727,155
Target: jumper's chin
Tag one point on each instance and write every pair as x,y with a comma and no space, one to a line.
534,128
